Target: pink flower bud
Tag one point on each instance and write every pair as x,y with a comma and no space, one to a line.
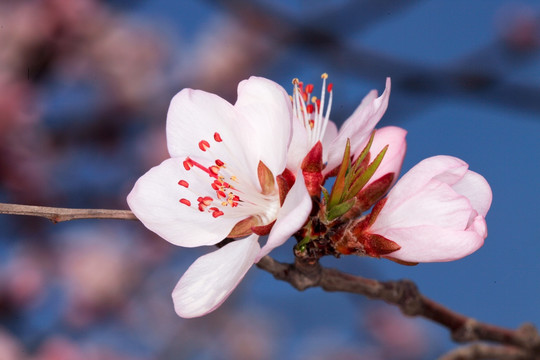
435,212
388,171
394,137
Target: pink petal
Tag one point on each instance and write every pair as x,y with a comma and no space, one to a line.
394,137
432,244
155,200
437,204
442,168
478,225
266,108
359,125
212,277
474,187
292,216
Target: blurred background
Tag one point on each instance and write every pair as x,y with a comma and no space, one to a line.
84,90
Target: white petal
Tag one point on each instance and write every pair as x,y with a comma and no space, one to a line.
433,244
329,136
474,187
267,108
292,216
298,147
196,115
155,200
359,125
212,277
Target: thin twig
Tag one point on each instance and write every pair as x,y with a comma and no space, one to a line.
487,351
57,215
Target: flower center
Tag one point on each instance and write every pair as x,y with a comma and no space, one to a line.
309,109
227,193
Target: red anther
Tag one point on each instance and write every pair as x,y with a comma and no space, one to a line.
214,170
219,162
188,163
226,185
185,202
221,194
215,186
202,207
217,213
207,200
318,102
213,208
309,88
203,145
305,97
310,108
330,87
217,137
183,183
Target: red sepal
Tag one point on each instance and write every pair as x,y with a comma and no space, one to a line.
312,167
263,229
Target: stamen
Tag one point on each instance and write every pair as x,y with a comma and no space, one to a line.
214,169
185,202
203,145
219,163
310,110
217,137
188,164
183,183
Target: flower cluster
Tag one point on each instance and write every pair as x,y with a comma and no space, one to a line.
258,168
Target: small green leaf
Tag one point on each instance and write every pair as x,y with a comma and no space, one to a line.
326,195
363,179
364,152
339,185
301,246
340,209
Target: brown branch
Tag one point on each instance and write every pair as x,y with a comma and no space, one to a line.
485,351
63,214
408,298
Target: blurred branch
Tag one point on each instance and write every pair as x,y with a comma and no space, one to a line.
524,342
477,75
407,297
485,351
57,215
